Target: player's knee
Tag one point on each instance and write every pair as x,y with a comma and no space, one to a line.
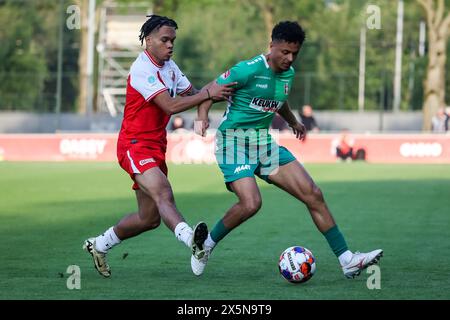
316,194
148,220
164,195
152,224
251,206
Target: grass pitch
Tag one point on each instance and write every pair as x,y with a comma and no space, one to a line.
48,209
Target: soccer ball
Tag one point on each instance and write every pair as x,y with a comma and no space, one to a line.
297,264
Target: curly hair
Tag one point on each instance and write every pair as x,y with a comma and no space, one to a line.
289,31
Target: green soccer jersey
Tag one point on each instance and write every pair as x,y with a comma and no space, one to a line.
260,92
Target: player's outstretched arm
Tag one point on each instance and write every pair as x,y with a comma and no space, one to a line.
201,124
179,104
191,92
297,127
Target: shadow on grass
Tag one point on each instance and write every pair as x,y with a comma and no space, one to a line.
408,219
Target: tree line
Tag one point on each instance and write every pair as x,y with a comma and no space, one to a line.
215,34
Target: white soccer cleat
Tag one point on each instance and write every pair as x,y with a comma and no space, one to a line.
99,258
199,261
199,255
361,261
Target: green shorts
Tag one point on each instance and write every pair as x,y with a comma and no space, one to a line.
238,162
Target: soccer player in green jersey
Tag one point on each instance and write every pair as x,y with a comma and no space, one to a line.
245,149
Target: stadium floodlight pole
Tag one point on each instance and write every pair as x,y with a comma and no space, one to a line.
398,58
60,62
90,59
362,68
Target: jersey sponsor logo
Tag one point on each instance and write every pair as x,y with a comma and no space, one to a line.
226,74
151,79
263,77
241,168
145,161
265,105
262,86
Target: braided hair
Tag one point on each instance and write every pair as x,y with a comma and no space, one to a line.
154,23
289,31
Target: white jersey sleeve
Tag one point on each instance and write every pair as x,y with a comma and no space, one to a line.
183,83
146,81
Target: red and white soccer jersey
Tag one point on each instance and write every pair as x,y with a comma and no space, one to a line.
142,139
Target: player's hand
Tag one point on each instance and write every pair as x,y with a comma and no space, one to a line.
200,126
299,130
221,92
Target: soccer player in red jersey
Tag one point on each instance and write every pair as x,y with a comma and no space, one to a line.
156,89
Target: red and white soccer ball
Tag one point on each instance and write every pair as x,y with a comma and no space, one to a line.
297,264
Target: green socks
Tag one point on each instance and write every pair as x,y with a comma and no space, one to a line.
219,231
336,241
334,237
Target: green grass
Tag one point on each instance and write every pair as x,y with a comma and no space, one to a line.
48,209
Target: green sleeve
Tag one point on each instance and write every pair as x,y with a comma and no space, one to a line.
239,73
